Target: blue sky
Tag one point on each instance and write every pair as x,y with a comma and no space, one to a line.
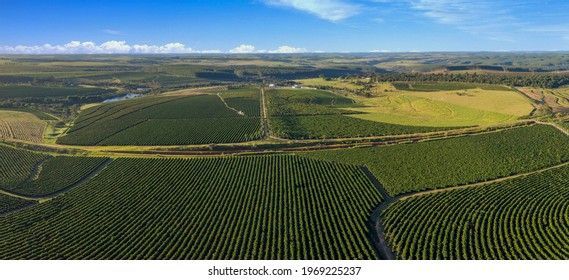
272,26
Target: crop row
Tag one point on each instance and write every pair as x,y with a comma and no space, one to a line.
306,103
17,165
197,119
9,204
186,132
525,218
261,207
337,126
23,128
55,174
457,161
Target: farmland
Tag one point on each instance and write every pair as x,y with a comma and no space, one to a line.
21,125
55,174
170,120
337,126
227,158
458,161
269,207
308,114
524,218
17,165
9,204
43,91
438,104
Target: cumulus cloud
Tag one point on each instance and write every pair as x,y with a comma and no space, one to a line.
252,49
110,47
121,47
287,49
243,49
332,10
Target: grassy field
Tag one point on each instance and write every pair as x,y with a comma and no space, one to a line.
261,207
465,108
446,163
21,126
524,218
438,104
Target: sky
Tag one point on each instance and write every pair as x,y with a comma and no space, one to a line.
281,26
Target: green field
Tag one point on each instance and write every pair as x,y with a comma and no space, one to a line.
458,161
338,126
9,204
399,156
312,114
170,120
262,207
17,91
35,174
17,165
41,115
55,174
302,102
524,218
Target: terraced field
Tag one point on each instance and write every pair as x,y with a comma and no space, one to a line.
21,126
457,161
260,207
171,120
524,218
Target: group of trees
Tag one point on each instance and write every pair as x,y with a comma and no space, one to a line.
530,80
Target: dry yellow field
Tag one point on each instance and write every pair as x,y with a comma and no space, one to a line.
22,126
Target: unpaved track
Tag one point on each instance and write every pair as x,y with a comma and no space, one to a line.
228,107
264,109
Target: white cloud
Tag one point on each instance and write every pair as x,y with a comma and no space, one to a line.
332,10
281,49
110,47
287,49
379,51
121,47
243,49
